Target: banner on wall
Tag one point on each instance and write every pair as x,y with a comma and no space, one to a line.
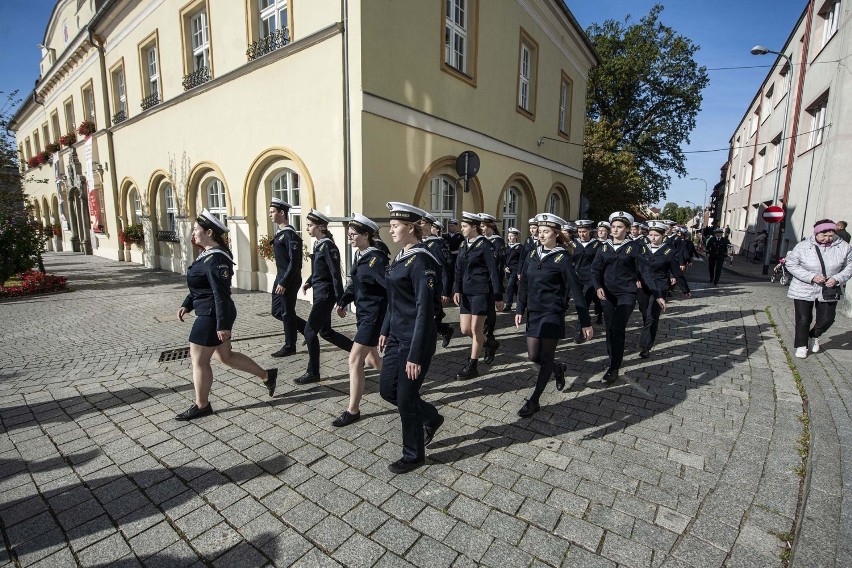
93,199
57,176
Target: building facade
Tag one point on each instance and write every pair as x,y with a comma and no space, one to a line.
796,134
337,105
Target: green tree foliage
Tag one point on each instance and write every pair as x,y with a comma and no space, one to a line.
642,103
678,214
21,238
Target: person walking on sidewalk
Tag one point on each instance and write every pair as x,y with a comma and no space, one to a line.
287,248
717,250
209,281
820,265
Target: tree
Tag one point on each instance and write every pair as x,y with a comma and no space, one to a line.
678,214
21,237
642,102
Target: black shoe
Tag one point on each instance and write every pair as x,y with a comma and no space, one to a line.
469,371
559,373
645,353
194,412
403,466
490,351
285,352
346,419
447,337
271,380
528,409
307,378
429,431
610,376
580,338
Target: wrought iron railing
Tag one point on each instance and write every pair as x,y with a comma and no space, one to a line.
119,117
168,236
268,44
151,100
198,77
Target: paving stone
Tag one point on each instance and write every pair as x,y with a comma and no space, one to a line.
330,533
395,536
579,531
429,553
358,551
626,552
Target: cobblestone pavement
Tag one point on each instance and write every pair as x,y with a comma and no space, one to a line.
687,461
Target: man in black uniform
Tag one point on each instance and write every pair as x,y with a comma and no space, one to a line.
585,249
437,245
287,247
454,240
489,226
717,250
530,244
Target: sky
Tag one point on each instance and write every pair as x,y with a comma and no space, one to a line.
725,31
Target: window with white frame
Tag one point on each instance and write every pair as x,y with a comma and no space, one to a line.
70,123
45,133
170,208
153,69
768,103
830,19
137,206
554,204
287,186
200,41
817,114
119,90
511,202
88,104
524,79
455,35
760,164
565,101
776,152
37,141
442,199
273,16
216,203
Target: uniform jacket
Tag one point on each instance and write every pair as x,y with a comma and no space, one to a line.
584,254
454,241
717,247
412,285
476,269
530,244
548,281
367,285
287,247
499,251
688,250
803,264
380,244
664,264
326,278
209,281
439,248
513,257
617,268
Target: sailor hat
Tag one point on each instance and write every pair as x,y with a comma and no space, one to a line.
605,224
635,224
429,218
643,226
279,204
584,223
532,221
471,218
569,226
453,222
550,220
659,226
318,218
717,230
514,230
405,212
486,218
622,216
363,223
212,222
670,222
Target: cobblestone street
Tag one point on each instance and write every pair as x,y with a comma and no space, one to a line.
691,459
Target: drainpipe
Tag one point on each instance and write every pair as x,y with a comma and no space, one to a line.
347,146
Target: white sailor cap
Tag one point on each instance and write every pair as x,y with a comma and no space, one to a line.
718,230
433,221
669,222
659,226
622,216
605,224
550,220
363,223
471,218
683,230
643,226
514,230
532,221
405,212
636,224
486,218
584,223
571,226
208,220
453,221
279,204
318,218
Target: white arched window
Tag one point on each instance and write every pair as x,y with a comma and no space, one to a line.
554,204
287,186
170,208
137,207
216,203
510,208
442,199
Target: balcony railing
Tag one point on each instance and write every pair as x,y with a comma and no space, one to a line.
199,77
119,117
168,236
151,100
268,44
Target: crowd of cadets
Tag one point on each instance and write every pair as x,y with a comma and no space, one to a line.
608,267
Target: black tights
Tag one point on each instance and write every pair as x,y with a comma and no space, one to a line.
542,351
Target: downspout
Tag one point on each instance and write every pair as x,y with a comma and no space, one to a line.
347,146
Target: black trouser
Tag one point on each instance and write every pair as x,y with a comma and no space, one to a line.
617,310
396,388
284,309
804,315
591,295
320,320
715,265
490,319
542,351
511,287
651,311
443,328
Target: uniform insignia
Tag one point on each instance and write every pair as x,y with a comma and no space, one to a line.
558,258
478,244
409,261
295,246
225,274
667,251
431,283
629,248
335,255
372,261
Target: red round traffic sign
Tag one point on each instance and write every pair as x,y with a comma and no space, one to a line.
773,214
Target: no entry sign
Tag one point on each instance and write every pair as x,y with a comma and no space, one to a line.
773,214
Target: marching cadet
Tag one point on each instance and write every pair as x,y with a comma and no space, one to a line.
439,248
489,229
585,249
327,283
530,244
548,281
644,228
209,282
287,248
454,240
566,232
476,286
665,269
635,230
409,334
688,248
604,229
717,249
616,269
513,255
367,289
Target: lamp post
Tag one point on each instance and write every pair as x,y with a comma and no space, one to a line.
761,50
695,217
703,203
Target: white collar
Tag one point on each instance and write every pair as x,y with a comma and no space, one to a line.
403,254
208,252
544,253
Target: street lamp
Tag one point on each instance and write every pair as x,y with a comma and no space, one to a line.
761,50
703,203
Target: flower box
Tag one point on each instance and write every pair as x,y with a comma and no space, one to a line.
69,139
86,128
33,162
53,147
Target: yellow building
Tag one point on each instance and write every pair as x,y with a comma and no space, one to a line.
339,105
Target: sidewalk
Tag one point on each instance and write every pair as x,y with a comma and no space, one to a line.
687,461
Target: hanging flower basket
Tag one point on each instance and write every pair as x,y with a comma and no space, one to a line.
264,247
69,139
43,157
86,128
132,235
33,162
57,230
53,147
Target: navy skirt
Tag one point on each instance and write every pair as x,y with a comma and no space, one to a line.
475,304
546,325
368,331
204,330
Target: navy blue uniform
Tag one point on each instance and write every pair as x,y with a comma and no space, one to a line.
380,244
410,331
513,259
367,290
209,282
530,244
439,249
717,250
584,255
287,247
477,279
663,265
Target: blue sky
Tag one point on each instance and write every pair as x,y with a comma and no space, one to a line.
725,31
